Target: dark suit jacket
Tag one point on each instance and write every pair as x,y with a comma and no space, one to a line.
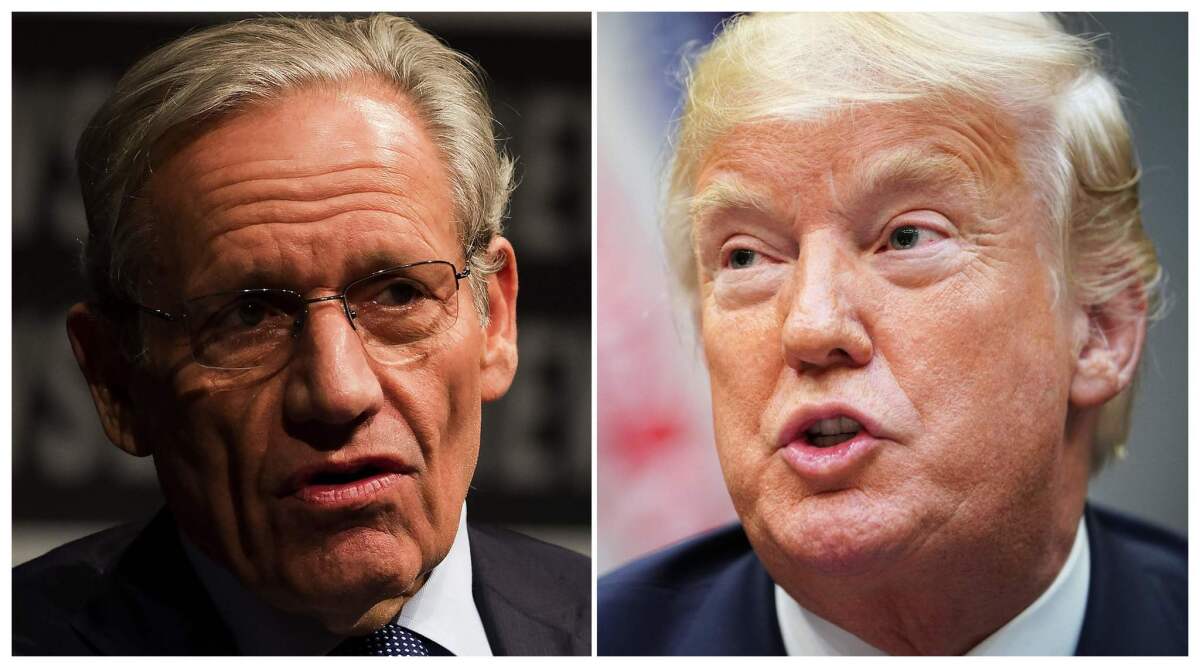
711,596
130,590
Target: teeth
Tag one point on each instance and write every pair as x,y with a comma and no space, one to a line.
826,441
832,426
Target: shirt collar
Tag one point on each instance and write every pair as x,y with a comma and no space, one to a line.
1050,626
443,609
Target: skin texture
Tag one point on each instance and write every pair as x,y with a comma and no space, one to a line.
981,372
309,191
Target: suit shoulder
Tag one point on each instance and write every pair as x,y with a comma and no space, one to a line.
1137,597
88,558
648,605
653,604
691,564
553,570
1158,552
49,590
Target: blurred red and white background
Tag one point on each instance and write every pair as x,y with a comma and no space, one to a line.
657,473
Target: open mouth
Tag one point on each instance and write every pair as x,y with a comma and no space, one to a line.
346,485
831,431
339,480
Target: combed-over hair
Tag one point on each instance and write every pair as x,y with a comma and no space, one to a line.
1076,147
218,71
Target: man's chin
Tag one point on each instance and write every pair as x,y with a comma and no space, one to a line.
350,573
833,534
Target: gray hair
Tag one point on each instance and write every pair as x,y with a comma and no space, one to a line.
1078,144
215,72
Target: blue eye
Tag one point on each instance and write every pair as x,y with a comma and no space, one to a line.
905,237
742,258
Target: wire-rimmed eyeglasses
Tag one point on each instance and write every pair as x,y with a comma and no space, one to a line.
256,328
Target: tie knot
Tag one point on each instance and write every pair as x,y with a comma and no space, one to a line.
388,640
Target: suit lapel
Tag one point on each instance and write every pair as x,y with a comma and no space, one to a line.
738,617
513,616
510,630
152,602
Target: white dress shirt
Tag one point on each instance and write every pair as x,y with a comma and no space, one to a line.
443,609
1050,626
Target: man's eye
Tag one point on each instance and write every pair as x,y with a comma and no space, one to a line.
251,313
742,258
246,314
907,237
399,293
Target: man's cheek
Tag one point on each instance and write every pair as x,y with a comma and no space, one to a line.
741,349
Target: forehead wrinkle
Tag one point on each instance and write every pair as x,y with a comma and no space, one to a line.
281,211
219,178
298,184
416,224
312,196
241,184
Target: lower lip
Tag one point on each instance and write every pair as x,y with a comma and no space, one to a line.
350,494
844,458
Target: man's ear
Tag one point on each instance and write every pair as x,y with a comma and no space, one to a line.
108,371
1109,339
498,362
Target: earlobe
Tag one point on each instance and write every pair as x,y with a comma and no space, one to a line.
107,371
498,361
1111,338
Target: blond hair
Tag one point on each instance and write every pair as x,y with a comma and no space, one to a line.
804,67
214,72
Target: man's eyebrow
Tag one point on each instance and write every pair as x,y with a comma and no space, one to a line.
912,167
233,278
728,193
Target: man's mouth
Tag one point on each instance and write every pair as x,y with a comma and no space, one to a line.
829,442
345,477
341,483
827,425
831,431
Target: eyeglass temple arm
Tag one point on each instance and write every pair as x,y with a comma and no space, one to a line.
464,273
156,312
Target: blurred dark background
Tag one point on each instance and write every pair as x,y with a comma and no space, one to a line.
535,465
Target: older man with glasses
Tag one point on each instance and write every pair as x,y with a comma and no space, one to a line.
283,217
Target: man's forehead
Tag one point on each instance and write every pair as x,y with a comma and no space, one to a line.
289,177
855,153
310,130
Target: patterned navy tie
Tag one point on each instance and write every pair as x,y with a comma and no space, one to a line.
389,640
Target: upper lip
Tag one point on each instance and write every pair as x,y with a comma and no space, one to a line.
799,420
304,475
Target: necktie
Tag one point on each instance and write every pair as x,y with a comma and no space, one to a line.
389,640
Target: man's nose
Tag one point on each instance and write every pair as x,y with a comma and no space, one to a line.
821,325
331,380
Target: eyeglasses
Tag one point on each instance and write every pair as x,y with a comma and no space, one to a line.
257,328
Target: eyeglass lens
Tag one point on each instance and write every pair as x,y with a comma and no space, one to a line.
258,328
